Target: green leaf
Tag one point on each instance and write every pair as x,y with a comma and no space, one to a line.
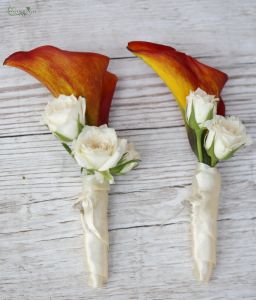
62,137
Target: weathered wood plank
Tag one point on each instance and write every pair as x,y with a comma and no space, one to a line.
197,26
51,268
166,161
41,241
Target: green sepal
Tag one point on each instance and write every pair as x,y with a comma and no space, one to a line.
196,135
62,137
228,156
206,158
117,170
80,126
122,159
67,148
193,131
107,175
211,154
192,123
210,115
89,171
192,138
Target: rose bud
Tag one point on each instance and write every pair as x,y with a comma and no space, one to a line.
200,107
65,116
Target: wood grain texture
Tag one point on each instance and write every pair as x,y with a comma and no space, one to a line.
41,244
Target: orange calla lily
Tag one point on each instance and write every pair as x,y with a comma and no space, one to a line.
180,72
78,73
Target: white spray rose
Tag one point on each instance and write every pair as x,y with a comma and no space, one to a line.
204,106
98,148
65,115
226,135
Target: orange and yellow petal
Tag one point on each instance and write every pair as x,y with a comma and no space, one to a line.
180,72
109,85
65,72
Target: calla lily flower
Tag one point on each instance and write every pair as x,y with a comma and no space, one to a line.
180,72
71,73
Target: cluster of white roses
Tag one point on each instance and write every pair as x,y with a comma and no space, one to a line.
220,136
96,149
213,138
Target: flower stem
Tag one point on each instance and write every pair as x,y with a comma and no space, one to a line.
199,144
213,161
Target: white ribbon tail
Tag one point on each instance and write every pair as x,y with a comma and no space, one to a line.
93,214
90,221
204,205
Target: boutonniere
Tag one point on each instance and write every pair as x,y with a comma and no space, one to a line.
212,136
82,90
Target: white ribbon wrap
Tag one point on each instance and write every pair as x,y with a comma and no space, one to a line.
94,209
204,201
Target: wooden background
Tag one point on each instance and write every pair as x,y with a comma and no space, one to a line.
40,233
